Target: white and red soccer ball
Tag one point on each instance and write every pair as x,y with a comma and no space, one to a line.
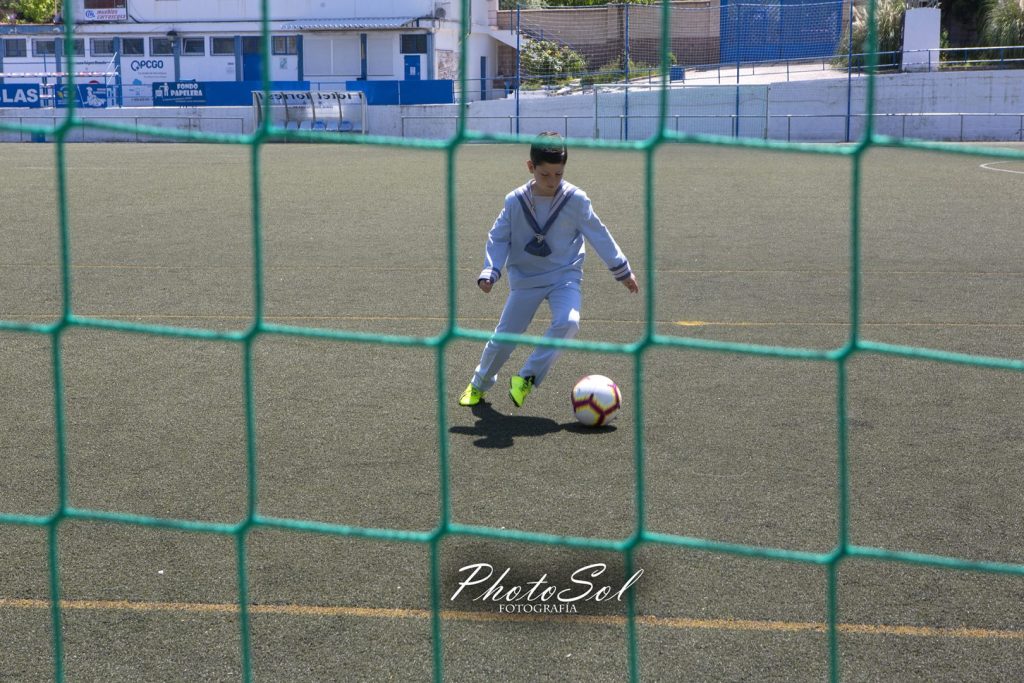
596,400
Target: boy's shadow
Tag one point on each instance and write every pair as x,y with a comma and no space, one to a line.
499,431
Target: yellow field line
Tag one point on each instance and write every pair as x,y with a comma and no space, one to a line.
750,625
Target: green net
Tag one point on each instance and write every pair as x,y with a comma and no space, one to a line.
446,526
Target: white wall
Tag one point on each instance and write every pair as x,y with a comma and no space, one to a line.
207,68
998,92
798,111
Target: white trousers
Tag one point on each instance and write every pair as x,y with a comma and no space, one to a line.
520,307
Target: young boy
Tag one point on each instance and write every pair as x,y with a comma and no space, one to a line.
539,237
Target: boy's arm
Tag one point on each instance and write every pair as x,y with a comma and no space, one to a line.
606,247
497,248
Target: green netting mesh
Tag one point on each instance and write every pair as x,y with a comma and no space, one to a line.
446,526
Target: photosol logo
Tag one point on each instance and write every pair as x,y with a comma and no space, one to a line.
587,584
140,64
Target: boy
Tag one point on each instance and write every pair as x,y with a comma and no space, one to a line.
539,236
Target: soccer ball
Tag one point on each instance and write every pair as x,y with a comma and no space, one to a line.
596,400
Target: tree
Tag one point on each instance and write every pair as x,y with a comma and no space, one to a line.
28,11
961,19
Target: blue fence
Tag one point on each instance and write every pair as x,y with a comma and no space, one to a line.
239,93
405,92
780,29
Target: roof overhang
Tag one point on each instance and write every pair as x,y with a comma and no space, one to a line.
506,37
356,24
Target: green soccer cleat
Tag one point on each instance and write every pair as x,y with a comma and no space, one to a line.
519,388
471,396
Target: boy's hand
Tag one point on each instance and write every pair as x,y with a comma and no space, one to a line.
485,285
631,284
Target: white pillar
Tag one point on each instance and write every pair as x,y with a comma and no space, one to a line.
921,29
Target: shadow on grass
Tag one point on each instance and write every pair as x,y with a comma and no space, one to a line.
500,431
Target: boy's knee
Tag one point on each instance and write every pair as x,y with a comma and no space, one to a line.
567,328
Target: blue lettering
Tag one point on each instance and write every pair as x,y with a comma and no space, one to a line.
138,64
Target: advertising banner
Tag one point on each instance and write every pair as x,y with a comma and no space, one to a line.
88,96
108,14
178,94
138,73
21,96
213,93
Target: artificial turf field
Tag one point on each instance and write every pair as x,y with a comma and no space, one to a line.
750,247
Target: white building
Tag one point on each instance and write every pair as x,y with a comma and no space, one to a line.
327,43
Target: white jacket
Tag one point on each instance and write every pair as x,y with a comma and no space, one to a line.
574,223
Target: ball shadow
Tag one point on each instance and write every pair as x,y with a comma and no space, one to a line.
577,428
496,430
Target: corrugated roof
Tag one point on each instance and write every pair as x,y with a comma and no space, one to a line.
348,24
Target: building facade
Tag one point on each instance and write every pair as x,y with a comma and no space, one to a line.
130,45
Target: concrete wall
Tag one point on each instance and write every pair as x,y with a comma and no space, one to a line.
224,120
920,105
800,111
812,110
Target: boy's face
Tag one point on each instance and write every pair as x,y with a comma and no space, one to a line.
546,177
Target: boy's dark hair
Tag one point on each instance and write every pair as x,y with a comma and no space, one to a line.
549,148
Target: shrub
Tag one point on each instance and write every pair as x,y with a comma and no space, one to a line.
889,16
553,62
614,71
1003,22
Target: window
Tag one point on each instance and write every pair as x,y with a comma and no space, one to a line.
42,48
193,46
285,45
15,47
161,47
222,46
78,47
101,47
414,44
132,46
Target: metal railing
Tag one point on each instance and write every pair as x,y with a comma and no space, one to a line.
128,127
511,118
883,129
936,59
732,125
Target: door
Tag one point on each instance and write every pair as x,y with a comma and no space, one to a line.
252,61
412,67
483,78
